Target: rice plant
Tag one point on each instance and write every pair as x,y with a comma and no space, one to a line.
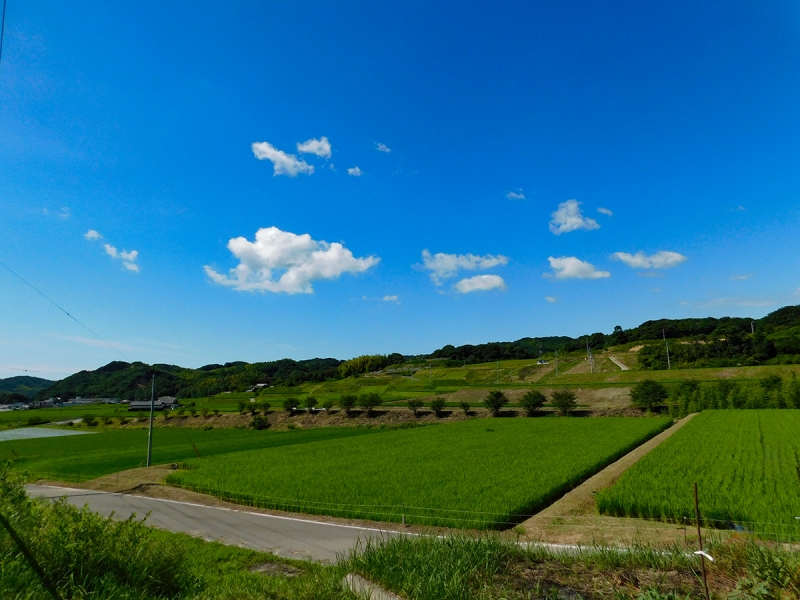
460,474
744,462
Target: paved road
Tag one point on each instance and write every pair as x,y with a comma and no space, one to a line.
283,536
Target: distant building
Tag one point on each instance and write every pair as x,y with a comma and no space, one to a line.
159,404
542,362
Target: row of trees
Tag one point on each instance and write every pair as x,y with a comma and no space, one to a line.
369,363
691,396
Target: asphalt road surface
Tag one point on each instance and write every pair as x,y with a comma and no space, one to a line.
284,536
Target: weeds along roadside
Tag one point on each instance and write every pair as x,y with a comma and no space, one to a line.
462,568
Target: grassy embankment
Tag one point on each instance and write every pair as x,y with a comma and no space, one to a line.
744,461
82,457
476,473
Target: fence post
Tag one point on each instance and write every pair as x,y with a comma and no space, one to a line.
700,541
30,558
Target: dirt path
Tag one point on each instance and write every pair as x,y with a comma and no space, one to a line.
619,363
573,519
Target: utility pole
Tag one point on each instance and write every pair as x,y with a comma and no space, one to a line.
150,431
497,372
752,327
556,362
589,356
430,376
666,343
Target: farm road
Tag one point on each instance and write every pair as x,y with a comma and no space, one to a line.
619,363
283,536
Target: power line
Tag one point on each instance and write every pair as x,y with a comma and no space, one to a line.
30,285
2,29
32,371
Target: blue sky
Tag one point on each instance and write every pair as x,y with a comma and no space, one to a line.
489,135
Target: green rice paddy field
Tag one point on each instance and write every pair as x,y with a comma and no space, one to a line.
744,462
82,457
479,473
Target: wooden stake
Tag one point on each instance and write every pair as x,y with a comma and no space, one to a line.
700,542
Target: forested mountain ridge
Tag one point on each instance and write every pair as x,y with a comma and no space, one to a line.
727,341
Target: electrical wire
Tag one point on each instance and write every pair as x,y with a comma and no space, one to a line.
2,30
30,285
2,368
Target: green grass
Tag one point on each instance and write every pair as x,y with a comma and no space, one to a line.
744,462
478,473
82,457
87,556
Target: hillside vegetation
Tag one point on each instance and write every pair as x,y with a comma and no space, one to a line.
692,344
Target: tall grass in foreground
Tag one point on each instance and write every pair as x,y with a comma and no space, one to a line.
472,474
744,463
466,568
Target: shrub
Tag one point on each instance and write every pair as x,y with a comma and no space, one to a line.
311,402
193,411
290,404
437,405
259,423
140,416
123,420
90,420
204,411
107,420
166,414
242,406
216,412
648,394
370,401
181,412
253,408
465,407
565,401
84,554
328,405
495,401
533,401
347,402
35,420
414,404
265,406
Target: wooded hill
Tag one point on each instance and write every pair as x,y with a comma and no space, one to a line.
728,341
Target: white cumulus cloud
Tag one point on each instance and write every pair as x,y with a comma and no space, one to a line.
444,265
283,164
281,261
480,283
551,299
128,258
568,217
605,211
393,298
570,267
515,195
662,259
320,147
355,172
382,148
